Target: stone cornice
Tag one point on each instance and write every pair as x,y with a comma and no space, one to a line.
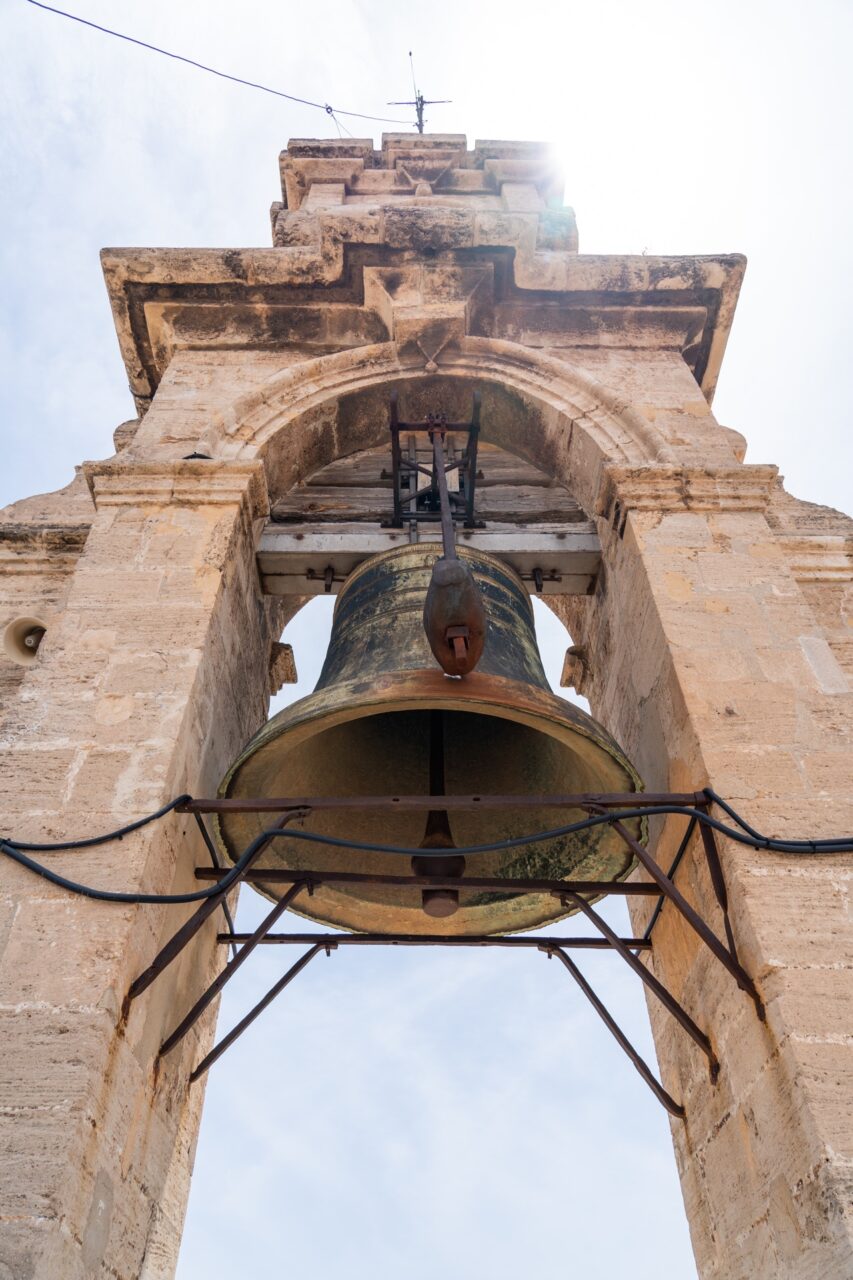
239,292
28,549
673,488
819,557
187,483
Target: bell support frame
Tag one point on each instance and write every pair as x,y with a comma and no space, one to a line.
405,504
659,886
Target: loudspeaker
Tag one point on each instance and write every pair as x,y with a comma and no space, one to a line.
22,638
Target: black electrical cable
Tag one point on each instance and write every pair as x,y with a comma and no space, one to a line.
134,899
744,825
89,841
14,850
842,845
223,75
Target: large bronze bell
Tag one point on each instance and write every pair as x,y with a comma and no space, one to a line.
385,720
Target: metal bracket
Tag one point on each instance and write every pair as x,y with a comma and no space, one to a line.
424,505
659,886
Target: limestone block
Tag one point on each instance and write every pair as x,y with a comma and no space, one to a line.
282,667
520,197
323,195
124,433
429,229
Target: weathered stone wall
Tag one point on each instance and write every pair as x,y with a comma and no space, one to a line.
146,684
732,682
714,648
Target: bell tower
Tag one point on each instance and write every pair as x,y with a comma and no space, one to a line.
143,605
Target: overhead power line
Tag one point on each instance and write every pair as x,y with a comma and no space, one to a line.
223,75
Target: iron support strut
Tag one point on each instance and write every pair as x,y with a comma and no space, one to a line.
313,880
676,862
582,800
226,1041
187,932
654,984
674,1108
230,969
609,808
726,959
471,463
715,868
431,940
396,459
214,862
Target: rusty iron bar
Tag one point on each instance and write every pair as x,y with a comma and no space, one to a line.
676,862
396,458
585,800
660,886
692,917
429,425
712,857
433,940
430,517
234,1034
462,506
190,928
313,879
250,942
471,463
657,988
674,1108
448,537
214,859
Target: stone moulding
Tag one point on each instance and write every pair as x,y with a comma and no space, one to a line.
256,418
819,557
26,549
197,483
440,161
668,488
242,281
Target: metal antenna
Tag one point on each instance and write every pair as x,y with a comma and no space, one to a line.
420,101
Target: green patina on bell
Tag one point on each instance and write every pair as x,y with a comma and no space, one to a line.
385,720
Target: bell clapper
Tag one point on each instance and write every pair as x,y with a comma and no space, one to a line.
438,903
454,614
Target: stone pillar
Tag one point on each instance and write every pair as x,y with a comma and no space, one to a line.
709,666
149,681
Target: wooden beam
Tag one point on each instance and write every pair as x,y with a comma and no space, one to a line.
518,503
293,559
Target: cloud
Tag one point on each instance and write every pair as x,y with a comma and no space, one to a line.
462,1115
435,1113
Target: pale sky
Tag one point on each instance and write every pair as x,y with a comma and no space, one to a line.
426,1114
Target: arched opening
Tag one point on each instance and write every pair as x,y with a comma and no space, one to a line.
403,1102
536,407
539,407
394,1105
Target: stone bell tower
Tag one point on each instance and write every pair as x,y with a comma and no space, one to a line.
143,606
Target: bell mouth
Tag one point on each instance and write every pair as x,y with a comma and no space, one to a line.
370,738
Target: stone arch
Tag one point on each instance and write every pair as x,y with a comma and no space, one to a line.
557,416
574,425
